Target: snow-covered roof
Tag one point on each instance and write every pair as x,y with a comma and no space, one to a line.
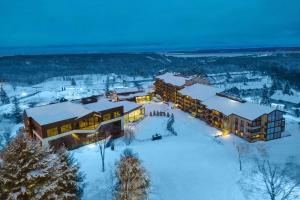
128,105
67,110
227,106
173,79
56,112
278,95
200,91
105,105
127,90
100,105
133,95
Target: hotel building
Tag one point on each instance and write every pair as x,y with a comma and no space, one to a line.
248,120
74,124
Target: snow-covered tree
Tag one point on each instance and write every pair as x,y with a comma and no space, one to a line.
71,180
16,112
3,96
128,134
29,171
132,182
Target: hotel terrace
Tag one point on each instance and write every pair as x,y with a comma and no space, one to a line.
74,124
248,120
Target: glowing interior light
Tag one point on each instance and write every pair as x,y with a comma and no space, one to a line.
23,94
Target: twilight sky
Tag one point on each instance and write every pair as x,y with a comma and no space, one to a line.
146,24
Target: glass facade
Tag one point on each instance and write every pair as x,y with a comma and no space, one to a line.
134,115
275,125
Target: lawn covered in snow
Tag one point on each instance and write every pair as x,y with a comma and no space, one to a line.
193,165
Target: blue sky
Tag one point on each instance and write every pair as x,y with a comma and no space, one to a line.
165,24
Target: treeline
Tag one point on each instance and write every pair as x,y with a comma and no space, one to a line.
34,69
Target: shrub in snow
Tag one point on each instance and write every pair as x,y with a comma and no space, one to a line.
30,171
132,182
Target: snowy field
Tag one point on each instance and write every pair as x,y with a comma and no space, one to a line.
193,165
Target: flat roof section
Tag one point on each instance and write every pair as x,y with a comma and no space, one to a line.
246,110
105,105
171,78
200,91
56,112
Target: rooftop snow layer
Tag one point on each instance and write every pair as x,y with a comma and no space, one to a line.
127,90
227,106
200,91
128,105
172,79
105,105
100,105
56,112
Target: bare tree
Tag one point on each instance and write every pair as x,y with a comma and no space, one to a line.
102,140
242,150
128,134
274,181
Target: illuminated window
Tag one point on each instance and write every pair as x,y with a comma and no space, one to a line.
91,121
52,132
142,99
117,114
83,123
65,128
106,117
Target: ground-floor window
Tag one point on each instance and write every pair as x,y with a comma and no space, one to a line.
52,132
65,128
134,115
106,117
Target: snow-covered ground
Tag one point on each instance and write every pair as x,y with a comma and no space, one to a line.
193,165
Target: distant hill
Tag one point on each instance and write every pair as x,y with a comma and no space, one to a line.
33,69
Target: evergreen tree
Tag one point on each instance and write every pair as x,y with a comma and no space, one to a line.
3,96
297,112
5,138
265,96
69,169
132,182
107,84
287,89
73,82
16,112
29,171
